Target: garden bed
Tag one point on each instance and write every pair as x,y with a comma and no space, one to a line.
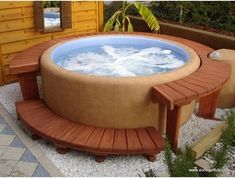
209,38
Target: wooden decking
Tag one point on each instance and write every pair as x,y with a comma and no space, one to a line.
42,122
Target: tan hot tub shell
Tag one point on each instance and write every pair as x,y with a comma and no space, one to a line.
227,94
115,102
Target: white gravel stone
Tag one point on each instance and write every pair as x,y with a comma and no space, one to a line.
75,163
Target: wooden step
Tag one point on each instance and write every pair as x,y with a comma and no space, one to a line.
43,122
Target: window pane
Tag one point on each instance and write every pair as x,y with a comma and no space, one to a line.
52,14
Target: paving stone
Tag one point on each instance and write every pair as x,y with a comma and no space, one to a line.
28,156
6,166
40,172
36,152
17,143
2,121
2,149
2,126
6,140
13,153
23,169
48,165
8,131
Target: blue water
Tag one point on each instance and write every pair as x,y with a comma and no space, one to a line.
119,56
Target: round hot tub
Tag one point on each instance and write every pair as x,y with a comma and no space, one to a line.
106,80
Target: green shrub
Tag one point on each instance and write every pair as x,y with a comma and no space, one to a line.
218,15
51,4
219,155
182,164
149,173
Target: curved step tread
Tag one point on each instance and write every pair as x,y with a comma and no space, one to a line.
45,123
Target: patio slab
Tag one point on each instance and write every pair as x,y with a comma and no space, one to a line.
19,154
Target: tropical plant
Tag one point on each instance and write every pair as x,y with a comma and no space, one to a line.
117,21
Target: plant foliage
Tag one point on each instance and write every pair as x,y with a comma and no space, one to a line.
182,164
220,156
149,173
218,14
119,21
215,14
51,4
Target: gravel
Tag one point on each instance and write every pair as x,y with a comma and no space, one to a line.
75,163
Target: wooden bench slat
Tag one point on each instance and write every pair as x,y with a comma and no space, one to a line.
145,140
83,136
221,69
120,142
163,97
189,94
191,86
107,141
211,83
58,129
95,138
207,86
209,77
168,95
156,138
133,143
216,74
72,134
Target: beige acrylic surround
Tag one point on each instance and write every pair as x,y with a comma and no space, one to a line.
227,94
124,102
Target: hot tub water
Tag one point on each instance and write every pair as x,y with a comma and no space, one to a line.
122,57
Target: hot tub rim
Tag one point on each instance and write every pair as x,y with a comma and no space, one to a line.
192,64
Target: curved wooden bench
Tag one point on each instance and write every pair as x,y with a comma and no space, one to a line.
204,84
41,121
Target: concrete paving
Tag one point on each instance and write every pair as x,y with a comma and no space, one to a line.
19,155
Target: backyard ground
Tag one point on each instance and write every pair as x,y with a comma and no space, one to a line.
75,163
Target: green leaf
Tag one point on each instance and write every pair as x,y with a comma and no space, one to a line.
147,16
117,25
109,24
130,26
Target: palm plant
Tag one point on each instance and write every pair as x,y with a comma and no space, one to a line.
115,24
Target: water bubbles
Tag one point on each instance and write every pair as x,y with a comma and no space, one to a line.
166,51
121,60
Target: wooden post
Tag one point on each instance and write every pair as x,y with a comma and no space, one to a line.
162,118
28,85
207,105
172,125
